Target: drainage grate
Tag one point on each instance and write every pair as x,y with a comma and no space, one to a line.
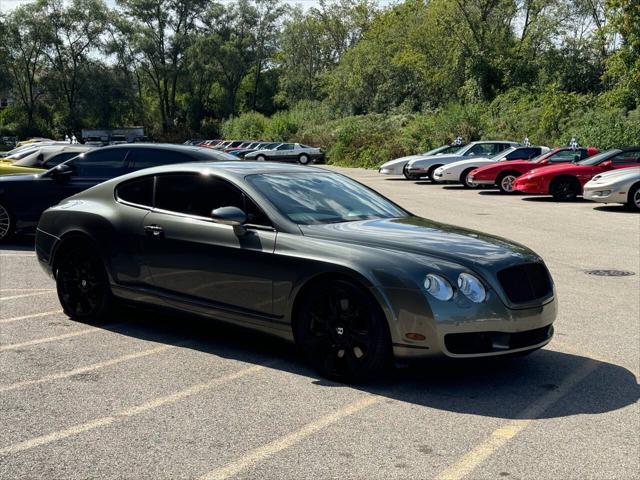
610,273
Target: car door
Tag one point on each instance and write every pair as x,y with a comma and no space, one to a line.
283,153
86,170
193,258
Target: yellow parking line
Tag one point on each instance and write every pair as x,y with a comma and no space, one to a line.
128,412
282,443
26,317
13,346
87,368
24,295
499,437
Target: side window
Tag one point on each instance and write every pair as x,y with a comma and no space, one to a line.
285,146
564,156
140,158
624,158
138,191
103,163
58,159
195,194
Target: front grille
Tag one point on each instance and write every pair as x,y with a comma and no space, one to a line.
526,282
487,342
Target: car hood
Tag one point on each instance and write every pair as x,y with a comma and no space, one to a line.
426,237
395,161
470,162
505,164
558,169
443,158
620,174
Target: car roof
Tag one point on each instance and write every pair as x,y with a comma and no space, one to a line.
237,169
192,150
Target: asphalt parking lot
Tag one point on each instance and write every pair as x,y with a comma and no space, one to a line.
163,396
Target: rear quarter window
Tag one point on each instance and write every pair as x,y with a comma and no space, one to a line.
138,191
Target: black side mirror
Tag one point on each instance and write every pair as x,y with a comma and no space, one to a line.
231,216
62,172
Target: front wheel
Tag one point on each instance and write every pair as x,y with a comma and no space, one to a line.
505,182
342,332
565,189
430,173
634,198
6,223
82,285
409,176
261,158
464,178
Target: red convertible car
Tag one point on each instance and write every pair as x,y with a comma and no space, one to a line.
565,181
504,174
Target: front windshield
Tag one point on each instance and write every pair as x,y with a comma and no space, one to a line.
601,157
503,154
445,150
321,198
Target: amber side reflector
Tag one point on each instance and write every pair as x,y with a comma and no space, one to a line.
415,336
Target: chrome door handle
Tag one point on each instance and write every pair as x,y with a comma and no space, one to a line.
155,231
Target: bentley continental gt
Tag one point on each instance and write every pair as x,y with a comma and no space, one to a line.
300,252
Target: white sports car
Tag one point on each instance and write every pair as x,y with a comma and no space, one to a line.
288,152
460,170
396,166
425,166
617,186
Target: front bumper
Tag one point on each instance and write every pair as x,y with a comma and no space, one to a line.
605,194
460,329
481,181
533,186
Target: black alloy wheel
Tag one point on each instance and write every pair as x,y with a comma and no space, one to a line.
82,285
343,333
565,189
6,224
633,202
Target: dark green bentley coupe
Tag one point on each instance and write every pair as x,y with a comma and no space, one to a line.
299,252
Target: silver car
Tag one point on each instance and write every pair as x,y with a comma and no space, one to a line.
617,186
397,166
424,167
288,152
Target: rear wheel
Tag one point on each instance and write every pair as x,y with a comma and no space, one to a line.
633,201
565,189
505,182
342,332
464,178
82,284
430,173
6,223
303,159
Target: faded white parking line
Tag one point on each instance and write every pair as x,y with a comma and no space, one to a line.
26,317
25,295
258,454
38,341
501,436
24,289
17,254
128,412
86,368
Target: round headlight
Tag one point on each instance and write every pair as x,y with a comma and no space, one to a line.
438,287
471,287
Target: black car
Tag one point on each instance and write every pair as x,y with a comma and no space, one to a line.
302,253
24,197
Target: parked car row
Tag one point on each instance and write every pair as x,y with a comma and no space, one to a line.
263,151
564,173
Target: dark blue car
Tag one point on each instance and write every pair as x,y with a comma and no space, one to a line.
24,197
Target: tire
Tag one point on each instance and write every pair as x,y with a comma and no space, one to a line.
303,159
430,173
633,199
565,189
342,332
464,180
82,284
408,175
505,182
261,158
6,223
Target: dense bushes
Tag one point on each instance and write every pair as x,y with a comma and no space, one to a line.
550,117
